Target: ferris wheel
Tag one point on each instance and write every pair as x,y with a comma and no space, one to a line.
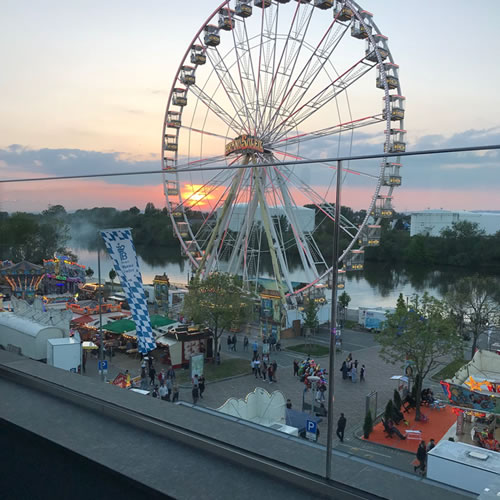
270,81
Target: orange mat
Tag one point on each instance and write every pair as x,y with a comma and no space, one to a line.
437,426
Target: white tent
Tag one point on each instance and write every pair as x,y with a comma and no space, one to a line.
29,336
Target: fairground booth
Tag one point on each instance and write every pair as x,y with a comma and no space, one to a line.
474,394
176,346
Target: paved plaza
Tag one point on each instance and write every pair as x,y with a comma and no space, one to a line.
350,398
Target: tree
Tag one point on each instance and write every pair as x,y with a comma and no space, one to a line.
474,301
421,334
389,410
397,400
112,276
368,425
310,315
401,304
89,272
344,299
216,302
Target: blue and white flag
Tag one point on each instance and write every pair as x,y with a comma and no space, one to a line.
122,251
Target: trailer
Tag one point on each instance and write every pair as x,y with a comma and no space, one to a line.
373,319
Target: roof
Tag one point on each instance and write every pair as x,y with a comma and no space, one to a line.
23,325
23,267
158,321
460,453
83,319
64,341
127,325
120,326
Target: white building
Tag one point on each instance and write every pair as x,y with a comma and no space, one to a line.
432,222
305,216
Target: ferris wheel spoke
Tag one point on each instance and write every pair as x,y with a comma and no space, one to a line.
276,68
324,96
300,239
320,202
230,87
295,40
304,80
206,132
215,108
241,54
345,170
327,132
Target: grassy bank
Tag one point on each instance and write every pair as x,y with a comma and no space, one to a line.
313,350
214,372
449,370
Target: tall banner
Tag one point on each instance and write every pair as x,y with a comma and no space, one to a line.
122,251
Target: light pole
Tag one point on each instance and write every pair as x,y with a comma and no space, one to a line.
333,326
101,345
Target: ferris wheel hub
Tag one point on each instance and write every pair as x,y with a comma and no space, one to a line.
244,144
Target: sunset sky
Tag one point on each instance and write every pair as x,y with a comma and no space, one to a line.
85,83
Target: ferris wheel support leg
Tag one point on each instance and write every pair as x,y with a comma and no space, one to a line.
276,253
221,221
302,245
243,236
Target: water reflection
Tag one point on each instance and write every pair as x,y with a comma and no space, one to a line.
377,285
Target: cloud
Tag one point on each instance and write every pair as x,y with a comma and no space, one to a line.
60,162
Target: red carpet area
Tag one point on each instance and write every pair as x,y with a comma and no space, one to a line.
439,421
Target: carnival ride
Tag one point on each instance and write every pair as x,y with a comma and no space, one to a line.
268,81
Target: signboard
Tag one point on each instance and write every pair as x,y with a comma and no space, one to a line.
196,363
103,366
244,143
471,400
311,430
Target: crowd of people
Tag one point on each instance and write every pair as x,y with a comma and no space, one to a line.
164,383
350,370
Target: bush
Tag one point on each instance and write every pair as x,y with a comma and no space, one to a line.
389,408
368,425
397,400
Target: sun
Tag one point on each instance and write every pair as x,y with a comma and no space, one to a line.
198,195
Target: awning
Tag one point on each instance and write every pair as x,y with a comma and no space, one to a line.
89,345
120,326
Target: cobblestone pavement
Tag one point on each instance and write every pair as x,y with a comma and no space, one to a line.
350,398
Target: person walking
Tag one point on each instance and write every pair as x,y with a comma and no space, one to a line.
234,342
144,379
196,388
270,373
432,444
175,393
275,369
229,342
201,385
162,377
295,367
264,369
421,457
257,368
245,343
341,427
152,375
171,374
252,365
354,374
343,369
163,392
255,348
362,374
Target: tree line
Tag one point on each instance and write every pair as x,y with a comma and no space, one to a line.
33,237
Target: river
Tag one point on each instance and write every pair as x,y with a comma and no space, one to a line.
377,285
